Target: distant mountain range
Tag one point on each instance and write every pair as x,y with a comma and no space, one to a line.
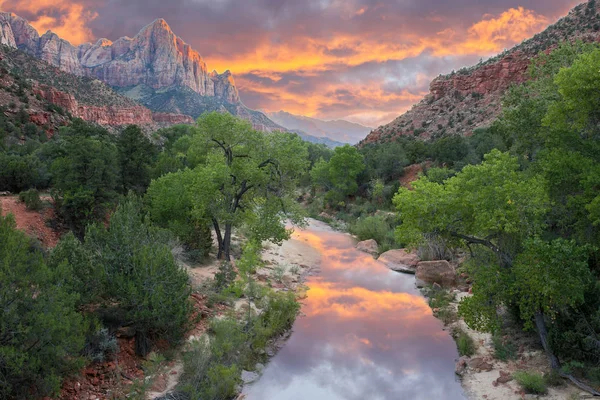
468,99
336,131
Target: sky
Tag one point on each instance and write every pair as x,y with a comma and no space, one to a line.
366,61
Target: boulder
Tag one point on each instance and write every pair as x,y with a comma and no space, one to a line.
461,365
440,272
504,377
400,261
249,376
479,364
368,246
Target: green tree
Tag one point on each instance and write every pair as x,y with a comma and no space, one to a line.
136,155
244,178
171,206
344,167
84,174
140,275
41,334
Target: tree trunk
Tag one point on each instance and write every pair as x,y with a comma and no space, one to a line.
142,344
227,242
219,238
540,324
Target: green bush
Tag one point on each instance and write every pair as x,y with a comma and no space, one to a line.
140,275
374,227
31,198
531,382
213,364
464,343
504,348
41,333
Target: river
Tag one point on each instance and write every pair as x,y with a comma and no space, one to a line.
366,333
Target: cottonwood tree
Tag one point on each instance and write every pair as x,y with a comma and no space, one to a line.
243,178
499,213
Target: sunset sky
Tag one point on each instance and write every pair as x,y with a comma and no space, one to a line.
362,60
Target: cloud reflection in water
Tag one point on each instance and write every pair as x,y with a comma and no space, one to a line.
366,334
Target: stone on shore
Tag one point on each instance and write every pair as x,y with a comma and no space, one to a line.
368,246
400,261
440,272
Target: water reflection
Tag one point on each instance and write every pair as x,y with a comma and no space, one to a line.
367,334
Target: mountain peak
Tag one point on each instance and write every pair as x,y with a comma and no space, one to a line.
160,24
155,58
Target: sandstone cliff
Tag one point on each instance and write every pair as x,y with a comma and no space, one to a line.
52,97
155,67
127,61
463,101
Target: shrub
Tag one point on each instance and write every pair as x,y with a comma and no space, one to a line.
434,248
504,348
100,345
373,227
41,332
141,275
31,198
531,382
464,343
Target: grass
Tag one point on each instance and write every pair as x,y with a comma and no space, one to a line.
440,301
504,348
465,344
531,382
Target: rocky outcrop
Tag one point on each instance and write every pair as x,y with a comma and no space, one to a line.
155,68
432,272
491,78
400,261
368,246
108,115
155,57
167,119
471,98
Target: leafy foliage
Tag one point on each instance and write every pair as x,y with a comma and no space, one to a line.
141,275
41,334
242,178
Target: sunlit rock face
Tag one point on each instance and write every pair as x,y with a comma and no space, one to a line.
155,57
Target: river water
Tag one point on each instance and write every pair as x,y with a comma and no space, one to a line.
366,334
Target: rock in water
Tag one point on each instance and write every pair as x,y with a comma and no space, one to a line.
249,377
368,246
440,272
400,261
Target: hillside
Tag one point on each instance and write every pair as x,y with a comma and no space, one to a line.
155,67
44,89
336,131
470,98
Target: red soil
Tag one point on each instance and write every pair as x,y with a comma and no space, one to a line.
32,222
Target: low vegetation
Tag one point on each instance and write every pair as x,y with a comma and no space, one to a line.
531,382
465,344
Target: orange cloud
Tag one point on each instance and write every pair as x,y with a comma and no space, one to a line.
71,24
488,36
493,34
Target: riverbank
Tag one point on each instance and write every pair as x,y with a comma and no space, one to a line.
284,268
484,375
487,371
